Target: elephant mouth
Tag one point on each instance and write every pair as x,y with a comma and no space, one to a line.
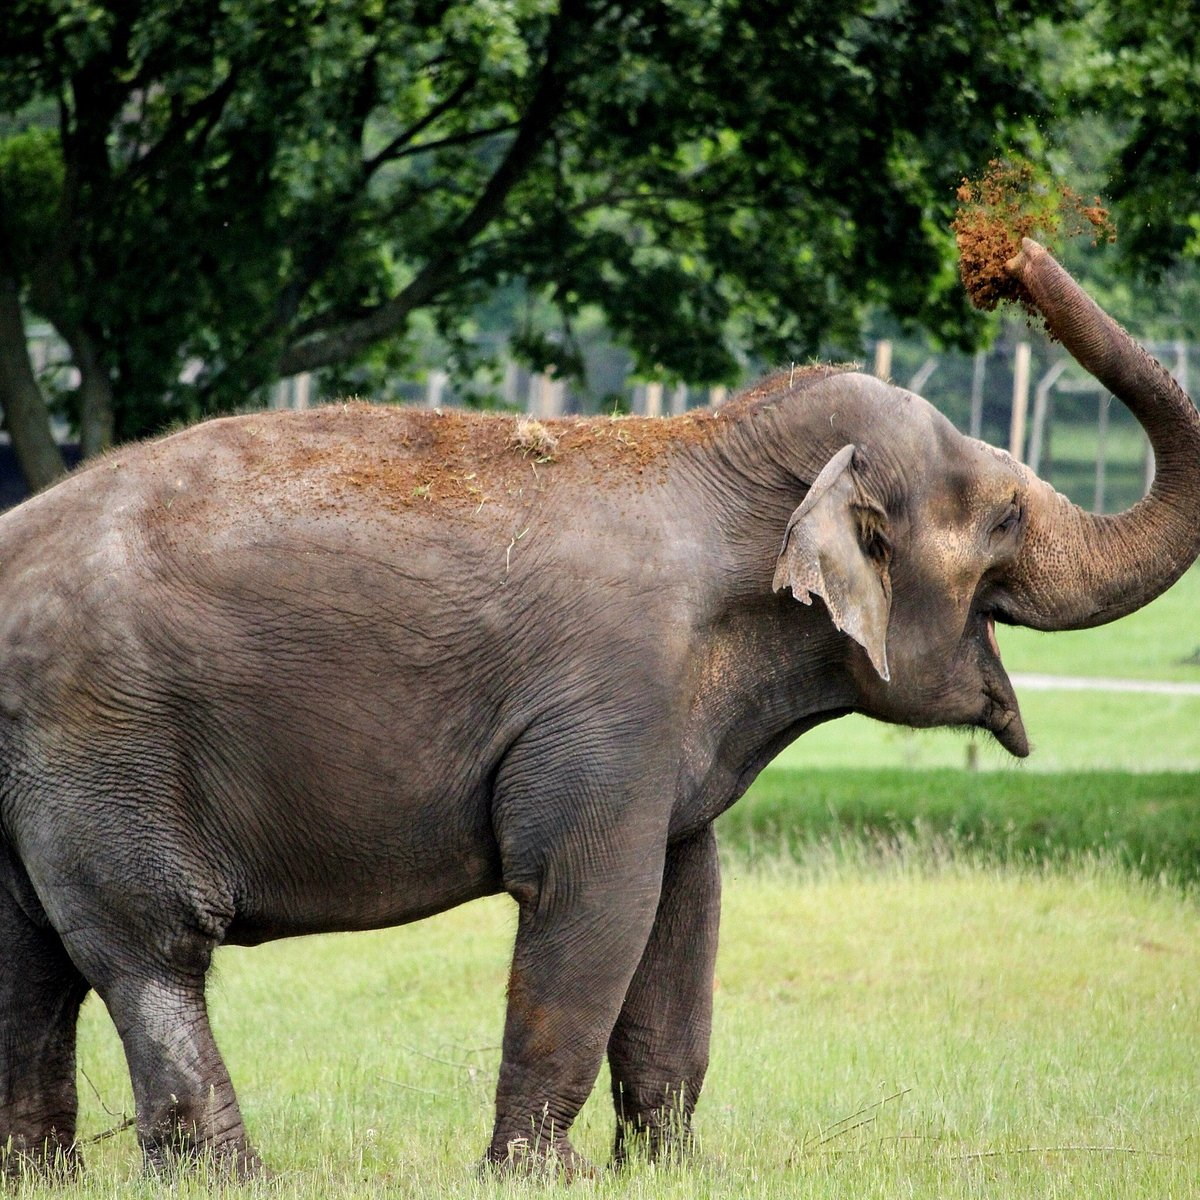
1001,713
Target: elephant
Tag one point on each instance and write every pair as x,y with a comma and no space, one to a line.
340,669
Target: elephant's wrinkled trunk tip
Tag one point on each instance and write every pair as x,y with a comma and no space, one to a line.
1020,262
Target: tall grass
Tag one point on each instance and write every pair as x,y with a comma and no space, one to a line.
1148,823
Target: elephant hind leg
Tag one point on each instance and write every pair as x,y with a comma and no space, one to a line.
140,920
149,969
40,994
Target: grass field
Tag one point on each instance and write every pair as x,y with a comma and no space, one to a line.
1147,823
897,1025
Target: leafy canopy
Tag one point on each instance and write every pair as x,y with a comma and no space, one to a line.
226,191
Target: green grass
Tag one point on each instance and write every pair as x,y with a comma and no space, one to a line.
904,1024
1160,641
1149,823
1069,462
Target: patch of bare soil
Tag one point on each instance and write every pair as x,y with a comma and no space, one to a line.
1007,204
409,457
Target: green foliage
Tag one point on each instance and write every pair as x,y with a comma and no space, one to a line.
1128,75
269,186
31,169
1144,70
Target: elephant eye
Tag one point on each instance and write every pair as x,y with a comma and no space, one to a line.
1010,522
877,546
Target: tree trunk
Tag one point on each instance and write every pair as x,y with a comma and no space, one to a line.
25,413
95,396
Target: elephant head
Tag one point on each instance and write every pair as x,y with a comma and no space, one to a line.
919,540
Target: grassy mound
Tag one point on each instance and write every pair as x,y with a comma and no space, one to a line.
1147,823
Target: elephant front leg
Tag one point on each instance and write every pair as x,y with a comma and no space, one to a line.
658,1052
578,943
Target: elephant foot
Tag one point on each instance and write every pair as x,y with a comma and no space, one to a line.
667,1138
535,1158
230,1162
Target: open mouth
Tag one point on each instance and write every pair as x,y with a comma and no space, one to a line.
1001,715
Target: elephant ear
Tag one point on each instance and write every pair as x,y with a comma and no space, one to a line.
835,548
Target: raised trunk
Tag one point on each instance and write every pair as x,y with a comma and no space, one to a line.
1078,569
26,416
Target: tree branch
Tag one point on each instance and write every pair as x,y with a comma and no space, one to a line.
397,145
206,112
440,270
458,139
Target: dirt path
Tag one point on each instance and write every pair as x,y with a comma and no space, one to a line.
1098,683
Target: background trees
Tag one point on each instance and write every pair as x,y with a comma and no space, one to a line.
202,197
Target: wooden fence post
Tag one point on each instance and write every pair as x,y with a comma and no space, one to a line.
1020,400
1098,496
978,373
1041,408
545,395
435,385
883,359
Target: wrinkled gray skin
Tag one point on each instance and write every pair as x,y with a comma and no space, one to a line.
244,698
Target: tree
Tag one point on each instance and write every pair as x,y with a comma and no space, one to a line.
1127,75
202,196
1142,72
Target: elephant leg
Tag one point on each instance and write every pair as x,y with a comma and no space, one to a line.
140,922
658,1052
586,909
40,995
154,991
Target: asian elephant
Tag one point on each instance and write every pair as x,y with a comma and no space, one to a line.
340,669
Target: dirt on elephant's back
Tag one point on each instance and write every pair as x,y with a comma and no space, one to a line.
406,458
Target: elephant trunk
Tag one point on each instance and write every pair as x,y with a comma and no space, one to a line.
1077,569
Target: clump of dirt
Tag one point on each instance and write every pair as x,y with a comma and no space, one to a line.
411,457
532,438
1009,203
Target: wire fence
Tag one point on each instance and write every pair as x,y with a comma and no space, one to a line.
1025,395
